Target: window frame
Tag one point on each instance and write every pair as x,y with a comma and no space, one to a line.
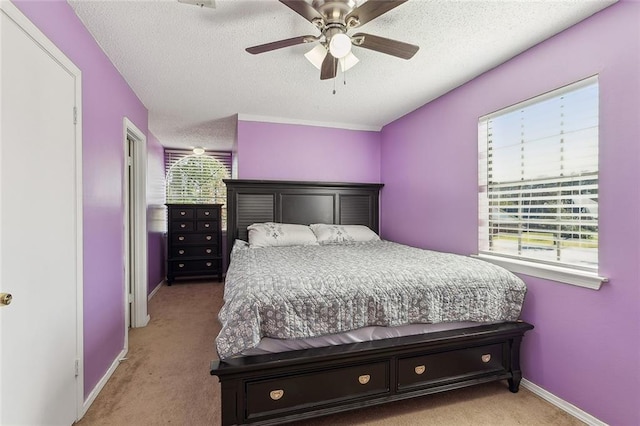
174,156
556,271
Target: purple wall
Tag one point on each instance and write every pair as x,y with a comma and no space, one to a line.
296,152
106,100
586,345
156,212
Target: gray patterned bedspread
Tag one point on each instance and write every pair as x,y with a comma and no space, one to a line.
310,291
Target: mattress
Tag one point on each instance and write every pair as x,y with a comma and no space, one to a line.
270,345
303,292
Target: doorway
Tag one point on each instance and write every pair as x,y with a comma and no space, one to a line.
135,227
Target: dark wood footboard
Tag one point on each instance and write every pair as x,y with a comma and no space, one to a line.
278,388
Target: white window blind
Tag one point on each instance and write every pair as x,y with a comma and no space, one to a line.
197,179
538,179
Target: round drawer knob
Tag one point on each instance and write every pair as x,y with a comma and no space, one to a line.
206,225
486,358
206,213
180,251
364,379
209,263
181,238
182,213
180,265
276,394
209,251
420,369
183,225
208,237
5,299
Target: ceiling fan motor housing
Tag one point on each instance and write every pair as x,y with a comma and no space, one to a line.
334,12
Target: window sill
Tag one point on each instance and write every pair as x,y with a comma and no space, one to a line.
549,272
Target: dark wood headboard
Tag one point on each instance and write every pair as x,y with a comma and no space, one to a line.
256,201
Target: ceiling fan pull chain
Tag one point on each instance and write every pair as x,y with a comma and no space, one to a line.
334,85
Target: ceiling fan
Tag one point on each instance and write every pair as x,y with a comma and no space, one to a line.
334,19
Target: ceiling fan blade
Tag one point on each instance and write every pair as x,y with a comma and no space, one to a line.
369,11
329,67
303,9
280,44
385,45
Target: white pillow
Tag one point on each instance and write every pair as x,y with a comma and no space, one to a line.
343,234
270,234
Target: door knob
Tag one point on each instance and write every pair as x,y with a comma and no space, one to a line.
5,298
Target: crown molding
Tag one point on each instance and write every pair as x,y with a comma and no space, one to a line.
280,120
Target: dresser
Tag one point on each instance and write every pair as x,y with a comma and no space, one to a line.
194,241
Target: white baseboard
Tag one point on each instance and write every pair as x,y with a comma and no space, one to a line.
146,321
155,290
96,390
562,404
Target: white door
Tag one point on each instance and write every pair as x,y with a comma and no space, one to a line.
40,233
129,237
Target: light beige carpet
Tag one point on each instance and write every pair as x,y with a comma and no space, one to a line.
165,379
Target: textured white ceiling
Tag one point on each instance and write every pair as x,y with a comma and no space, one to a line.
188,64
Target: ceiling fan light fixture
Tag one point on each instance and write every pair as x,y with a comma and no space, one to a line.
198,150
316,55
340,45
348,62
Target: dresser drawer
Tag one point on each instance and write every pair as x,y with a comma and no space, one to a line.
206,225
205,213
182,225
194,251
182,213
205,238
190,266
430,369
288,394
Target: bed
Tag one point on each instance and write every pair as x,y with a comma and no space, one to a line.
270,387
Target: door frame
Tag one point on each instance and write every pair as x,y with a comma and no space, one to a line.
13,13
138,315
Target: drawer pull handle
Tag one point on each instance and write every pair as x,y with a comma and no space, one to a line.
180,251
182,213
181,238
183,225
364,379
208,237
420,369
276,394
486,358
180,265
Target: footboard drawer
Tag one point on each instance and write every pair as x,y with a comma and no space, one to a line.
325,387
433,369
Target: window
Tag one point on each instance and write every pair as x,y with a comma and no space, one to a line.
538,180
197,179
